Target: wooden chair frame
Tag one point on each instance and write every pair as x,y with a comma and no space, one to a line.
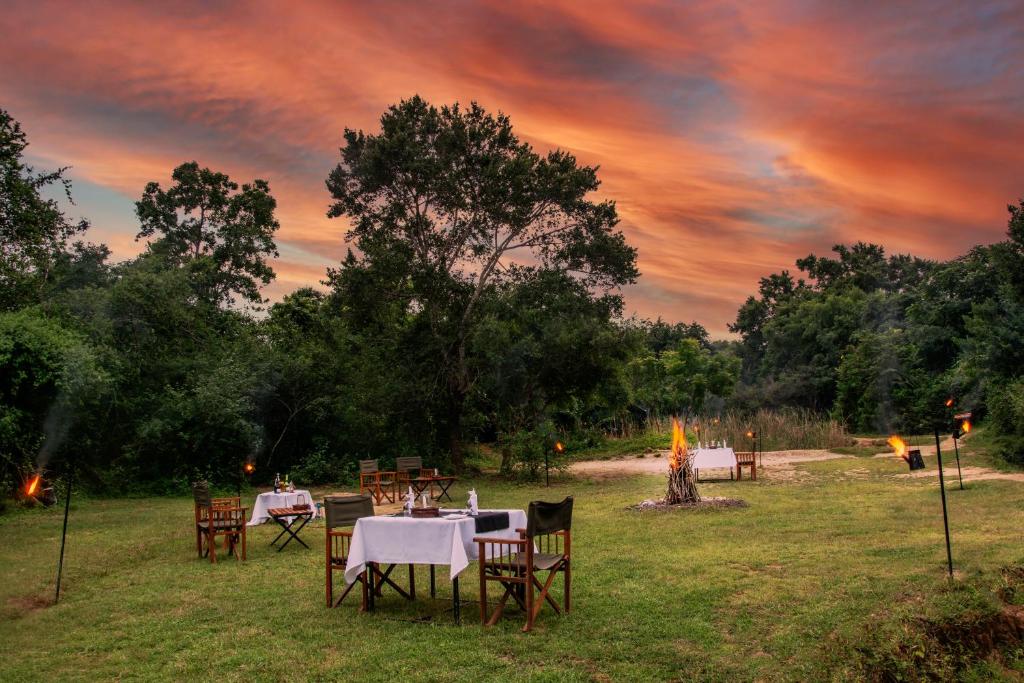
511,562
222,517
338,548
339,545
746,459
404,467
371,481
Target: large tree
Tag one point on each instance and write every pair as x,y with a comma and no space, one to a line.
34,232
460,201
222,235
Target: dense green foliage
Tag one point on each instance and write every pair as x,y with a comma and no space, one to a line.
480,304
882,341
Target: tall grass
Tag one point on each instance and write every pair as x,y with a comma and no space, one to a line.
782,430
778,430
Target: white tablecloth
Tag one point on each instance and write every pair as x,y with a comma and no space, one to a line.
415,540
268,500
706,458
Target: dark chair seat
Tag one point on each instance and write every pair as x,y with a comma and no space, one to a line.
543,561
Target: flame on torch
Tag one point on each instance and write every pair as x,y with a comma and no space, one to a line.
559,447
966,426
249,468
949,402
675,458
33,485
899,446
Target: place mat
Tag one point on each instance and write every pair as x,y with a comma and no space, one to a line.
491,521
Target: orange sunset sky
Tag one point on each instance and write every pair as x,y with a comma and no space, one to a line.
735,137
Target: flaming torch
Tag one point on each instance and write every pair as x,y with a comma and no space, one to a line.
32,486
899,446
559,448
64,532
247,469
958,432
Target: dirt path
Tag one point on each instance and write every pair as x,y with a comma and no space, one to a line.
780,461
779,465
970,474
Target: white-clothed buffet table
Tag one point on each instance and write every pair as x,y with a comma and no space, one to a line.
268,500
708,458
422,540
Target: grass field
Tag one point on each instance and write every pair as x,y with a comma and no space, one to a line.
788,588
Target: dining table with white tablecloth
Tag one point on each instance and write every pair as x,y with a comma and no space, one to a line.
445,540
285,499
710,458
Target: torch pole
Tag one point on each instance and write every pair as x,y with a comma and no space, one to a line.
958,472
64,533
547,473
945,514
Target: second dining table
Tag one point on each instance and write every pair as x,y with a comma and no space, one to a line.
444,540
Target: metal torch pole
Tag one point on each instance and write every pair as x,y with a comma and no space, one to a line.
64,534
945,514
958,472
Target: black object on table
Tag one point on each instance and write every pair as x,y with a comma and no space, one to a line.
287,518
491,521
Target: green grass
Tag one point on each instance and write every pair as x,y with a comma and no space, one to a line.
786,588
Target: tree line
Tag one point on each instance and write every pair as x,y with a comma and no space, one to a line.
479,304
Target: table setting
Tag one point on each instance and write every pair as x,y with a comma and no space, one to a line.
284,499
443,538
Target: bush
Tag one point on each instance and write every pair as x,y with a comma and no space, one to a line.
523,453
1006,415
321,467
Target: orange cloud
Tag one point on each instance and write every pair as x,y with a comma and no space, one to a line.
735,137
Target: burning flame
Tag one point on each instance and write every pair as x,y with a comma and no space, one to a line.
30,489
675,458
559,447
899,446
750,435
966,426
249,468
949,402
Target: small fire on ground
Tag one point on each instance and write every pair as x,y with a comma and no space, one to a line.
33,485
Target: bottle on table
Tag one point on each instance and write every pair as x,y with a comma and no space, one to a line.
277,483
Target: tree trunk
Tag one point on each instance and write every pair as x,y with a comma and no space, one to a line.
455,405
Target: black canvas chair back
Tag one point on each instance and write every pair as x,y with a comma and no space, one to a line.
367,466
409,463
546,518
345,510
201,494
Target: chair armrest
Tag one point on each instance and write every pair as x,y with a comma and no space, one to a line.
505,541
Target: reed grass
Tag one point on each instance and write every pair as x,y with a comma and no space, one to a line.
779,430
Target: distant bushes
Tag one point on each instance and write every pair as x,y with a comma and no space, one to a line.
1006,413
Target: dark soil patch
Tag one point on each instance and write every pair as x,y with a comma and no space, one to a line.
712,503
25,604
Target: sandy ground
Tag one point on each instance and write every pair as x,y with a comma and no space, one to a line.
779,465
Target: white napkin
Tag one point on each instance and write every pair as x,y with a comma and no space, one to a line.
472,503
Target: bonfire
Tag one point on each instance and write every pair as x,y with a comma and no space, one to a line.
682,483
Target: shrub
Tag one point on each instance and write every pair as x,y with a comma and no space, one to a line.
1006,413
523,452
